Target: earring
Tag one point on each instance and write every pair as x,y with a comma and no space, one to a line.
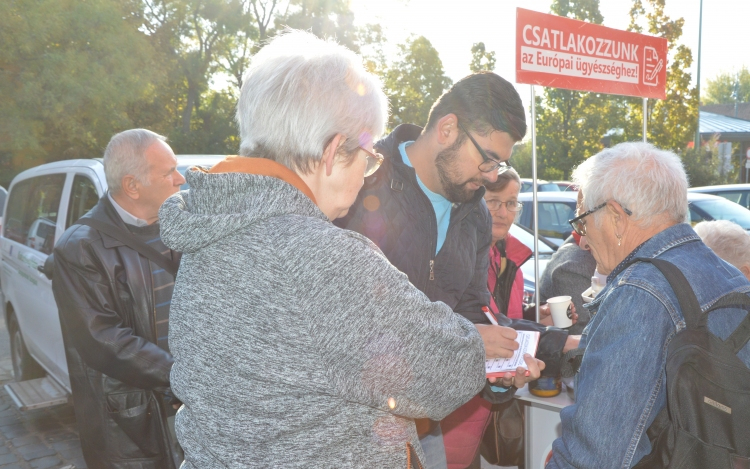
619,240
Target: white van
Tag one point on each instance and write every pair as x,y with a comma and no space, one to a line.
42,203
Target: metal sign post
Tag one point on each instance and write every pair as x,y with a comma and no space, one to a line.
645,118
535,221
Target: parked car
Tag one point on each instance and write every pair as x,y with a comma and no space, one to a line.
738,193
555,209
566,186
546,249
541,186
42,202
711,207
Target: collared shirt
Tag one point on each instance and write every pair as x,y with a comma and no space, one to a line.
126,216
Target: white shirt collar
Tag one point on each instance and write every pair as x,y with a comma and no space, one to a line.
126,216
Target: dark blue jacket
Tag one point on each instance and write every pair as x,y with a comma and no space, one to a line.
393,212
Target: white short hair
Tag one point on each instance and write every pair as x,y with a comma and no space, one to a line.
727,239
125,155
649,182
299,92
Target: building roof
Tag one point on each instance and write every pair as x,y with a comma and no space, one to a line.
728,128
743,110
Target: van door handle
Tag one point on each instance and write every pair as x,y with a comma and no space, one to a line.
48,268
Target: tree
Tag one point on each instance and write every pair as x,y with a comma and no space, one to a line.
70,71
728,87
570,124
672,121
324,18
414,82
481,59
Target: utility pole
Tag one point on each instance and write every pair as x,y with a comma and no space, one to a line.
698,127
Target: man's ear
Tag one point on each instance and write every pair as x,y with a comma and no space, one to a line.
130,187
329,153
745,269
447,129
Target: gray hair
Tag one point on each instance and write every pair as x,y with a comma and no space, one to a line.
124,156
299,92
727,239
503,179
651,183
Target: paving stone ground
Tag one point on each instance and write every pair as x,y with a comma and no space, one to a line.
35,439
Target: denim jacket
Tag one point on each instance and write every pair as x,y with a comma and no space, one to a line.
620,385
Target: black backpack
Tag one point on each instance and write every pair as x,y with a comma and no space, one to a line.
706,422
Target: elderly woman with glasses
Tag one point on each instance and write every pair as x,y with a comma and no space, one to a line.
296,343
634,205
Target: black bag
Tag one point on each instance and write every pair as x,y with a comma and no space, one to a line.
502,442
706,422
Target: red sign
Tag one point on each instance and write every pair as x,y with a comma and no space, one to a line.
564,53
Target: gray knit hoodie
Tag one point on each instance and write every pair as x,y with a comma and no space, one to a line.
296,343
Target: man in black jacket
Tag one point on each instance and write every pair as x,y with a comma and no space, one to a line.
424,208
114,309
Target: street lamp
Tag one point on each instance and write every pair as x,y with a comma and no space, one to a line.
700,32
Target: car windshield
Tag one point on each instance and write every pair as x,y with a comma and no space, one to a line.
719,209
527,238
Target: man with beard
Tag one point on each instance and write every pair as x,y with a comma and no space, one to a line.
424,209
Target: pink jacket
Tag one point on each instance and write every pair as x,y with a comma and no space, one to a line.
463,429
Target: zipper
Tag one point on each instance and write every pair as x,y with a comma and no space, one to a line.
432,261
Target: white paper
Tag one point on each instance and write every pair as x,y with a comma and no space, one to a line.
527,341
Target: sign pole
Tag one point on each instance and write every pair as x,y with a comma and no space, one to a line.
536,205
645,118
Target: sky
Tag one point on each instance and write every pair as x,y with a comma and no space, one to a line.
453,27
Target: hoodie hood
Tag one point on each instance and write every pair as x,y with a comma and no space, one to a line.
218,205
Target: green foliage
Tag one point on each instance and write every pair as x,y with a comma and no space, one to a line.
585,10
570,124
521,159
481,59
414,82
69,71
672,122
722,89
212,129
324,18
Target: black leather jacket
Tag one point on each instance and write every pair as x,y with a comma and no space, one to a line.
117,372
395,214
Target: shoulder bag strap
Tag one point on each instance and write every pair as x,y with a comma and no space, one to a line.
134,243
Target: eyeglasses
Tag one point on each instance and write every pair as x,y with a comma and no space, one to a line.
374,160
579,226
511,205
489,164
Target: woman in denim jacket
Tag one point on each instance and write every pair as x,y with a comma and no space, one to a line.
635,202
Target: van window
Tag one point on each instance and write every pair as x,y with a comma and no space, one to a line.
32,211
83,197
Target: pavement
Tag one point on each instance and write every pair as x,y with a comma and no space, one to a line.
34,439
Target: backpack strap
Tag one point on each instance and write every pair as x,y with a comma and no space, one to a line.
741,334
132,242
691,309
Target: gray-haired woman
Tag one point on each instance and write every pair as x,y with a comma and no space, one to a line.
634,204
296,343
729,241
